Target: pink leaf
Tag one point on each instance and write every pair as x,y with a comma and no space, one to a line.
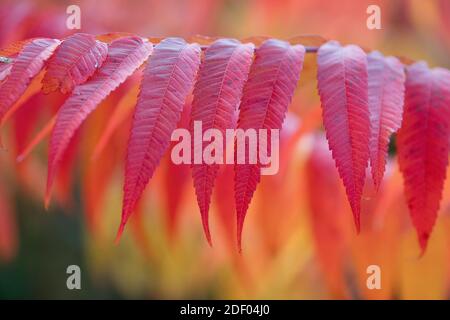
168,78
217,94
5,69
25,67
423,144
326,198
268,92
75,60
124,57
342,83
386,87
176,178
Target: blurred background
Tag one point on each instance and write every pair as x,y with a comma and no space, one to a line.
299,240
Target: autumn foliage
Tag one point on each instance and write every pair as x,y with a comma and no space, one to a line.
365,99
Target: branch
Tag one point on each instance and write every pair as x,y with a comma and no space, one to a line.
307,49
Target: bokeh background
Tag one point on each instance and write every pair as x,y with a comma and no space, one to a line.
299,240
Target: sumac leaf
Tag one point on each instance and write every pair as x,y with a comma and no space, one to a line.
326,215
267,93
75,60
26,66
423,144
176,178
167,80
5,69
217,94
8,55
125,55
386,88
342,84
119,116
12,50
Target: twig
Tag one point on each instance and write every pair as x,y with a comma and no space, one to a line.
307,49
311,49
5,60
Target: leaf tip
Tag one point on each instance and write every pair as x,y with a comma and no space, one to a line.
376,184
357,217
206,230
47,200
120,232
48,191
423,242
240,227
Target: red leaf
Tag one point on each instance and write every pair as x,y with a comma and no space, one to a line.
217,93
386,87
124,57
176,178
5,69
327,220
224,200
342,83
96,176
8,55
271,83
27,65
168,78
12,50
423,144
75,60
65,179
41,135
121,114
25,121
